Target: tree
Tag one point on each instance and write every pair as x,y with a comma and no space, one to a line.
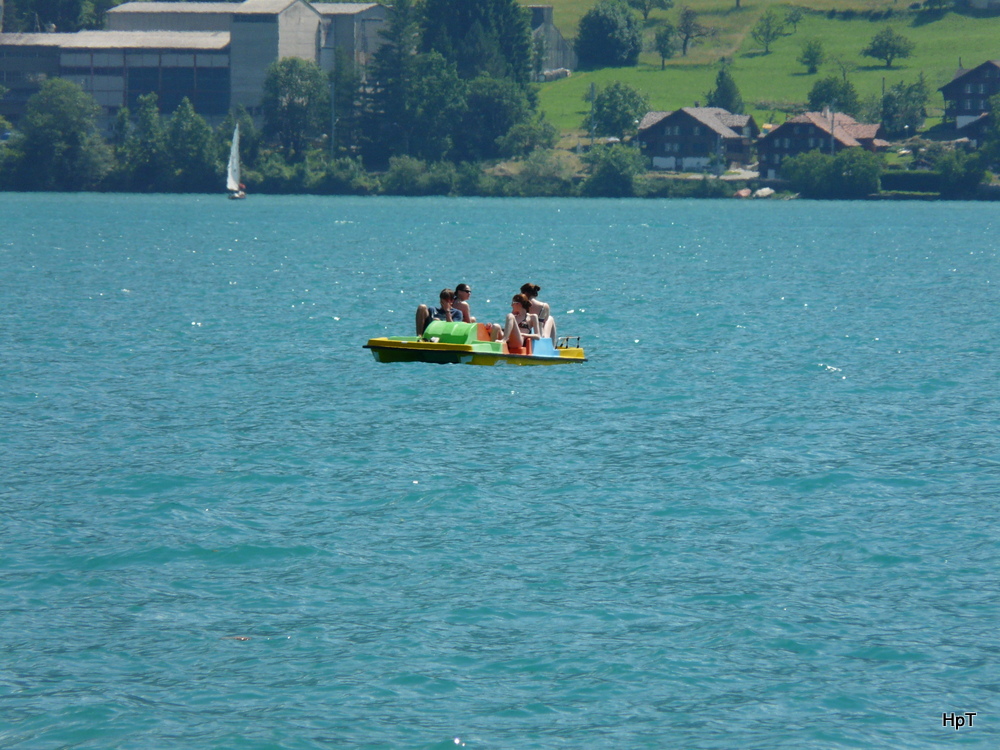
60,147
389,96
768,29
435,103
811,55
690,30
296,103
346,82
191,151
613,170
666,43
888,45
855,173
493,107
904,106
961,172
852,173
145,149
528,136
647,6
837,94
793,18
608,36
807,173
991,145
480,37
617,108
725,94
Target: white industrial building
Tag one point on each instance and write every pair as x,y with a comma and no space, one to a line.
216,54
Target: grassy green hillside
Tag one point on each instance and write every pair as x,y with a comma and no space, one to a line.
770,82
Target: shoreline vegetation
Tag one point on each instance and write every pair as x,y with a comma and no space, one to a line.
434,115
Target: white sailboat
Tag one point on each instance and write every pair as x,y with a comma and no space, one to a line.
233,184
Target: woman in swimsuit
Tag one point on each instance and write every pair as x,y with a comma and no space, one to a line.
462,294
541,309
520,323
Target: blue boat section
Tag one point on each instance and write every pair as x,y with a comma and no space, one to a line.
467,343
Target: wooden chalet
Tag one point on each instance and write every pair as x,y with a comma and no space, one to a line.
966,96
828,132
694,138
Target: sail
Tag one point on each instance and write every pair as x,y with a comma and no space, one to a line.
233,175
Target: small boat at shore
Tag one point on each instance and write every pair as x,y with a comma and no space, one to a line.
470,344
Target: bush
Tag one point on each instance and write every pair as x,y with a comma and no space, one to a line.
613,171
410,176
912,182
853,173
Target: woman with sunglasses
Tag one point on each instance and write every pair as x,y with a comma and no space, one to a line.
462,294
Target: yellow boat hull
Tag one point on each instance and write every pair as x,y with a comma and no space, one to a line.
412,349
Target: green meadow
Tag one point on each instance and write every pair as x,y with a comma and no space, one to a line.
773,83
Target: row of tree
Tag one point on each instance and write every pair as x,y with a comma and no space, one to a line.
610,35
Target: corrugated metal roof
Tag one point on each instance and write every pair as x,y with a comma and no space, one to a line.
34,40
263,6
250,6
342,9
206,40
159,7
150,39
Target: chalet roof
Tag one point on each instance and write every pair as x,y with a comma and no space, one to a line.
847,130
718,120
342,9
203,40
963,72
651,118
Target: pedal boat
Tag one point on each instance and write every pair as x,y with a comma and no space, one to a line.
469,344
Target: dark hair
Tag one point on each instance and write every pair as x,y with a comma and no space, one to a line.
531,290
462,288
446,294
523,300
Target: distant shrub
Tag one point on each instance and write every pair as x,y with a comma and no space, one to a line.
706,187
912,182
409,176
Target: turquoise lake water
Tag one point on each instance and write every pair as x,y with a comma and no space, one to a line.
764,514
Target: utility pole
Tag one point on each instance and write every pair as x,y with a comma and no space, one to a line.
593,98
333,110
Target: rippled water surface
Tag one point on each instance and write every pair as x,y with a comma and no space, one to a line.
763,514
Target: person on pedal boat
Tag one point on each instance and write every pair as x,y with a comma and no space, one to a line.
446,312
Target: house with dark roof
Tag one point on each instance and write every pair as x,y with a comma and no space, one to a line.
966,95
828,132
694,138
